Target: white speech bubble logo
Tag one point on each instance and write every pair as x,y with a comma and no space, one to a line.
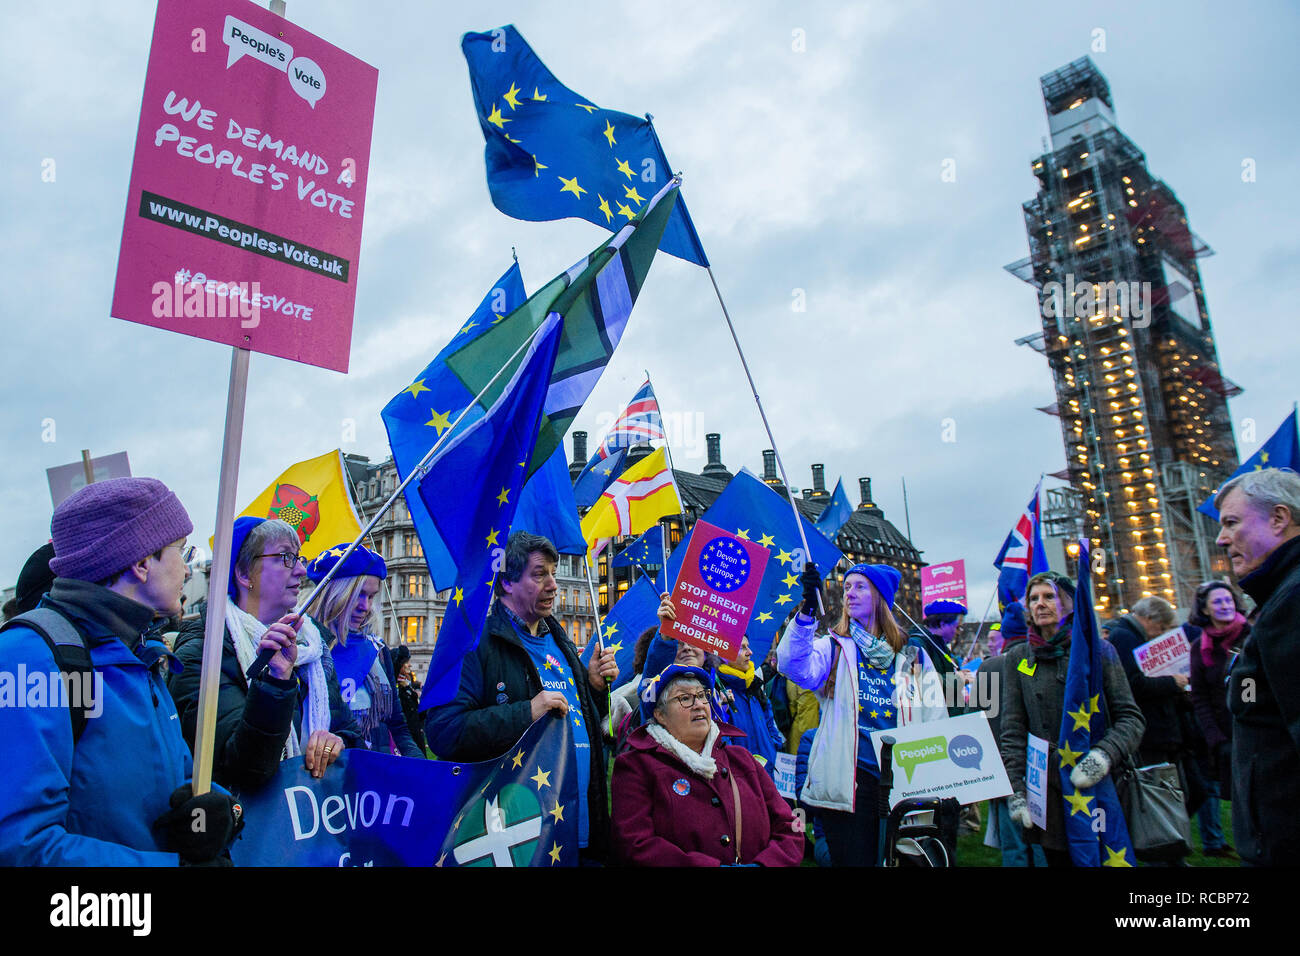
245,40
307,79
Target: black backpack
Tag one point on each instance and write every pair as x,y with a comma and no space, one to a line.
67,642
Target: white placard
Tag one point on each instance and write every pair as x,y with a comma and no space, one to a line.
1036,780
784,775
1166,655
952,757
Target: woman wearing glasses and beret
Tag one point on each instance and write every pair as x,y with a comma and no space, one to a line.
361,660
293,708
684,797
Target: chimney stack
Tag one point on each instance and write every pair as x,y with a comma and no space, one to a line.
579,454
865,485
715,467
819,481
769,466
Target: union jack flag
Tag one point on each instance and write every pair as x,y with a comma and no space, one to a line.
1022,555
638,425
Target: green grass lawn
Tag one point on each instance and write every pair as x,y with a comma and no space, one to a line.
971,850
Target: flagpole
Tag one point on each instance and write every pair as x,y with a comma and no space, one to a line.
672,476
418,471
600,638
383,582
980,629
766,426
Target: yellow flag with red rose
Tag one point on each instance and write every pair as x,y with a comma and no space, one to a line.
312,498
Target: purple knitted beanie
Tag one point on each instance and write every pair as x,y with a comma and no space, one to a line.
109,525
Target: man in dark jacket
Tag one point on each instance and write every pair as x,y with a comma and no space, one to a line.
523,667
1258,514
1161,698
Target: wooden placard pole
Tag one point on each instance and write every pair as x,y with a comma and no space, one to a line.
219,575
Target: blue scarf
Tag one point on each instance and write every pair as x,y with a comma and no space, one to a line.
874,650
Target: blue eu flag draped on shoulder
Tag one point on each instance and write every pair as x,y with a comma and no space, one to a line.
553,154
1094,823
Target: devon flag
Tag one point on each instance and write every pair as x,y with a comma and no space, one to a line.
553,154
1083,723
1282,450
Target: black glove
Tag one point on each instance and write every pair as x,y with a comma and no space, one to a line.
200,828
812,589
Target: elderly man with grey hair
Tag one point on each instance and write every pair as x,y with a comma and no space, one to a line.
1259,515
524,667
1161,698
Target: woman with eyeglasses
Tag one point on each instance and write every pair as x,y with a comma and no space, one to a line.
293,709
684,796
343,613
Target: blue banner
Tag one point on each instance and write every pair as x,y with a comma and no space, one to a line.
374,809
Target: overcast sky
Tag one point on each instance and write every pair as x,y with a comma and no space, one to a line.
817,170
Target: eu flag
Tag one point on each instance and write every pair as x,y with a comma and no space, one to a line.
418,415
553,154
648,549
1083,724
595,478
836,513
472,516
1280,451
636,610
546,506
751,509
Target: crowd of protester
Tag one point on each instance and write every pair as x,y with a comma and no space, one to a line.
676,766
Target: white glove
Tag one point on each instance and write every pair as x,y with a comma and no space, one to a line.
1089,771
1019,810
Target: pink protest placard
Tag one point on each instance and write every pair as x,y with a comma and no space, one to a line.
944,582
243,217
715,590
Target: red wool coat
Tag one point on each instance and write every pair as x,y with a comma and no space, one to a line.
666,815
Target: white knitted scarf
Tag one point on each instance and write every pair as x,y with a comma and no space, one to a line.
701,763
247,631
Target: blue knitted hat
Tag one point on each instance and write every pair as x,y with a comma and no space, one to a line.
361,561
886,579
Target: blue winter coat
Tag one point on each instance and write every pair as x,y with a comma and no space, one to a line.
752,713
99,809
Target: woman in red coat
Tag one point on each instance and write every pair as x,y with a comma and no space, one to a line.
683,797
